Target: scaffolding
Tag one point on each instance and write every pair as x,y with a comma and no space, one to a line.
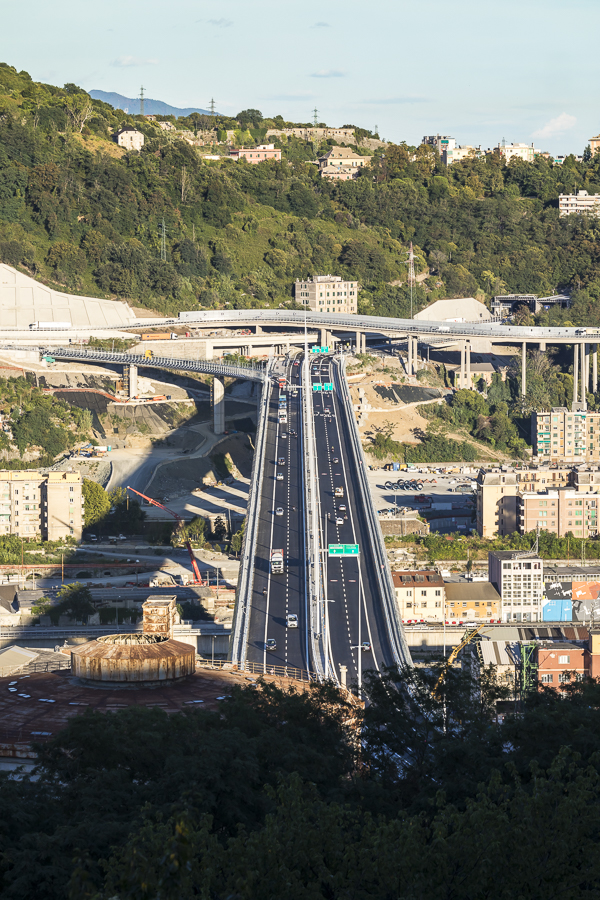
528,667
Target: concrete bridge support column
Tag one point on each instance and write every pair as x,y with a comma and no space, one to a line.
323,337
463,373
217,397
585,374
595,369
575,372
358,341
258,329
133,382
468,364
542,346
524,369
409,364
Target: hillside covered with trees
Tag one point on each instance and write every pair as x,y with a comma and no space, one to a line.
78,211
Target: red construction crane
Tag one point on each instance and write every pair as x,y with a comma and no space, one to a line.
188,546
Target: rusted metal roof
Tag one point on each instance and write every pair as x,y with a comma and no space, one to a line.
100,649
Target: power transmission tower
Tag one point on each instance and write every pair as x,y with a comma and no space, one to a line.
163,242
211,106
141,98
411,275
315,116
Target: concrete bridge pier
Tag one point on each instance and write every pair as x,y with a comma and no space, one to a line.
217,399
542,346
463,348
585,374
575,372
133,382
595,369
524,369
409,362
468,382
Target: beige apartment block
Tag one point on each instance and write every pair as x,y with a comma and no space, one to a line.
579,202
420,595
595,144
558,499
64,506
41,506
561,435
327,293
498,491
130,138
313,134
342,163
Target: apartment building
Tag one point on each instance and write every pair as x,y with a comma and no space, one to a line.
498,491
595,144
327,293
130,138
256,154
560,662
443,143
420,595
518,577
314,133
49,507
507,151
561,435
342,163
580,202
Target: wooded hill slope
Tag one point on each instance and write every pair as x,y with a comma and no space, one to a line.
80,212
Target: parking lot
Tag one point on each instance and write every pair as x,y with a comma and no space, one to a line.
435,487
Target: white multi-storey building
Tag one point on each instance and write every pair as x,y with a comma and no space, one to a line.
327,293
519,579
579,202
49,507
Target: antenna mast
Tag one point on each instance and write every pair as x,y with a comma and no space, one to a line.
315,116
142,100
211,106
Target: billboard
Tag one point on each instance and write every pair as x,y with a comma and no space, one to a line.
570,601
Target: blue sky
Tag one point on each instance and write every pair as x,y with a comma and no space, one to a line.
524,70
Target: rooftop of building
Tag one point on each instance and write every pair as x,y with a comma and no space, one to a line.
343,153
572,571
476,590
513,554
559,645
410,578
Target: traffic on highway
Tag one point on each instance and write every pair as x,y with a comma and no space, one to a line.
278,631
357,632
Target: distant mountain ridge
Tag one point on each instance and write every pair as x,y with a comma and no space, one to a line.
151,107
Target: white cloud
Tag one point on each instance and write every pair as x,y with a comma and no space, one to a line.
123,62
556,126
328,73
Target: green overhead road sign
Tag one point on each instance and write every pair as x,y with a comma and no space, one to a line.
327,386
317,387
319,349
343,550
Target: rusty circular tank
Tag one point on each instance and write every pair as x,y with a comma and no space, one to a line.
133,659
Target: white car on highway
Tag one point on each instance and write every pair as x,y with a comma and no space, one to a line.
291,620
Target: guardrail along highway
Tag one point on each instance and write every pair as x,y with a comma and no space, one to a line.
361,621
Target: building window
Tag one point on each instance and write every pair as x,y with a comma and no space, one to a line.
564,660
563,677
423,593
546,679
438,593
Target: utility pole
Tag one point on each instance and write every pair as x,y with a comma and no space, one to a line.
411,275
211,107
141,99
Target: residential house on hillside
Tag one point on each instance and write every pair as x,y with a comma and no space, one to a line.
342,164
129,138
